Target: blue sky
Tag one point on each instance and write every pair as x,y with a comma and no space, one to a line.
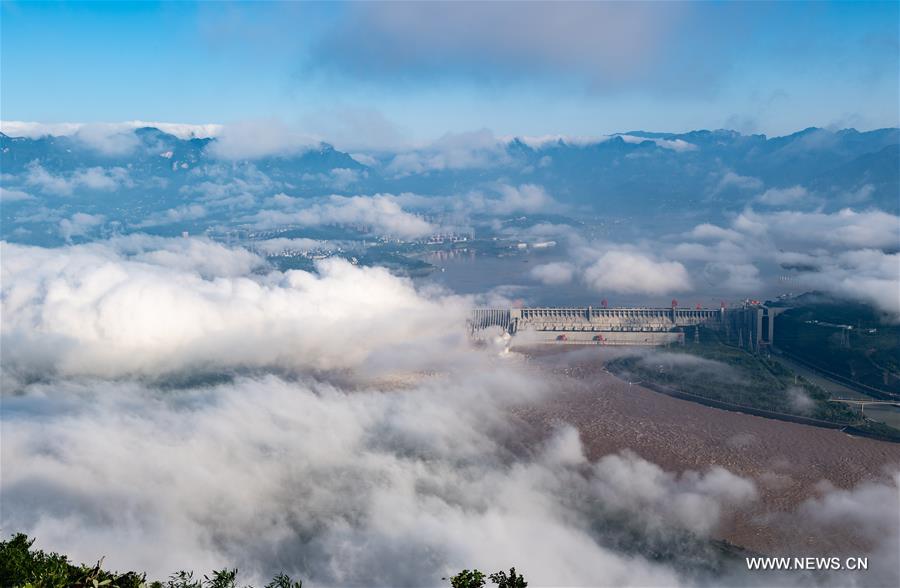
396,72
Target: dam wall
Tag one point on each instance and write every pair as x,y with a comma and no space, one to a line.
751,325
607,338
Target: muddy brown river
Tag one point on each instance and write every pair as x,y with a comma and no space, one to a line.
789,462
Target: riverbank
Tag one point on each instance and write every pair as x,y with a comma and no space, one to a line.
889,415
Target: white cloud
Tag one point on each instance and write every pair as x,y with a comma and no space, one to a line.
868,275
848,253
846,228
853,507
98,178
339,178
691,502
497,199
737,277
553,274
678,145
783,196
608,45
344,177
700,366
632,272
356,129
108,139
12,195
709,231
800,400
79,224
207,259
836,511
331,472
338,487
364,159
731,180
92,178
478,149
180,214
40,214
721,252
254,139
541,141
380,213
230,185
502,199
91,310
524,198
862,194
43,180
34,130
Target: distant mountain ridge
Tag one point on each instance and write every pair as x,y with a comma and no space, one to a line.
61,152
699,175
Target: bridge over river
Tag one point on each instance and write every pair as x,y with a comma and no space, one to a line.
752,325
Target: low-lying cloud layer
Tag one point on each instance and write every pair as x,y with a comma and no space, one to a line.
97,179
848,253
852,254
380,213
341,488
622,270
254,139
106,138
122,307
174,403
631,272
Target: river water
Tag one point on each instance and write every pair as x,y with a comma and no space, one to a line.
788,462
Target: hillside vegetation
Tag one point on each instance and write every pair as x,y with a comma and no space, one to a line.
22,566
844,338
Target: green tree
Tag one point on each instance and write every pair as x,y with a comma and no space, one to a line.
475,579
467,579
21,566
284,581
513,580
221,579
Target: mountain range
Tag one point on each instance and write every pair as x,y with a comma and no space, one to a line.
146,172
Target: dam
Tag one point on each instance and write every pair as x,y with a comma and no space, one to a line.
751,325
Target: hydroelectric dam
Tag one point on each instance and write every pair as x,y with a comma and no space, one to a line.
751,326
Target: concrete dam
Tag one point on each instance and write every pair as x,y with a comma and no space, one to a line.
752,326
